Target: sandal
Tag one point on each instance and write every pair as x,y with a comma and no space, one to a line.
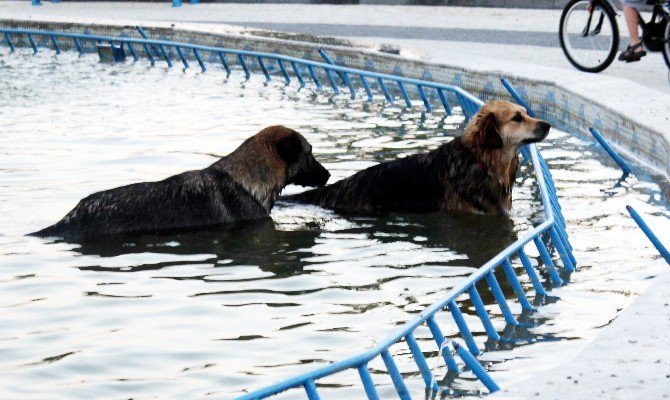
631,55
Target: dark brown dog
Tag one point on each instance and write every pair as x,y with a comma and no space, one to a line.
241,186
473,173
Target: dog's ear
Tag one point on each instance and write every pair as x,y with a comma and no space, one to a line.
490,133
289,148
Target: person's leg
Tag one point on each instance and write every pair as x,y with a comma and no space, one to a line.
632,23
635,50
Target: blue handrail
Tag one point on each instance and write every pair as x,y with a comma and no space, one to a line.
428,315
553,226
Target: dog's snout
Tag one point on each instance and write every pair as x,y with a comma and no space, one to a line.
311,174
324,175
541,130
544,126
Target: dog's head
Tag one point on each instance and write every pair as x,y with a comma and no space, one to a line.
501,124
294,150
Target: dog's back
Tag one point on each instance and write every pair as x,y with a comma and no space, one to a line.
418,183
191,199
380,189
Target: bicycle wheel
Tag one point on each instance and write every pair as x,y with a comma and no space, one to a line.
589,34
666,44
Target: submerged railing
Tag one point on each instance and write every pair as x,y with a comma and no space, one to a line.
545,237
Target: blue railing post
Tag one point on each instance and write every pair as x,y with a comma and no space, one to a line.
180,53
328,60
282,68
398,382
649,233
424,98
463,327
132,52
465,106
176,3
222,56
368,385
476,367
147,51
420,360
315,78
366,87
439,340
265,70
199,59
530,271
481,312
546,259
612,153
240,59
165,55
516,285
36,2
55,43
352,90
500,298
32,43
310,388
562,251
298,74
443,100
9,42
517,97
329,75
404,94
382,86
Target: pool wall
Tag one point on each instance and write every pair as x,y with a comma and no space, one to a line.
563,108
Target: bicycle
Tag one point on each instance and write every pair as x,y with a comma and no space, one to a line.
589,33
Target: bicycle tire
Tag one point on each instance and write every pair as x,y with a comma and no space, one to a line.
611,17
666,45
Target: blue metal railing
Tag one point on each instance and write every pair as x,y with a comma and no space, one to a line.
553,227
159,49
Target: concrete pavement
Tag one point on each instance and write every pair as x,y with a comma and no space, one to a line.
630,359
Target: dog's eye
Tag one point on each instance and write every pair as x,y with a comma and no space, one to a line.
517,117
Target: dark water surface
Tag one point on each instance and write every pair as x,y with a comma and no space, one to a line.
209,314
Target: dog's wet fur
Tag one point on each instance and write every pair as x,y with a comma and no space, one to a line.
240,186
473,173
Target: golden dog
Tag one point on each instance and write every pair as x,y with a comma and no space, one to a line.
473,173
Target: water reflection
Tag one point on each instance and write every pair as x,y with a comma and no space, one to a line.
283,252
216,312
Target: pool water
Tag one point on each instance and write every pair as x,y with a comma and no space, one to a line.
218,312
